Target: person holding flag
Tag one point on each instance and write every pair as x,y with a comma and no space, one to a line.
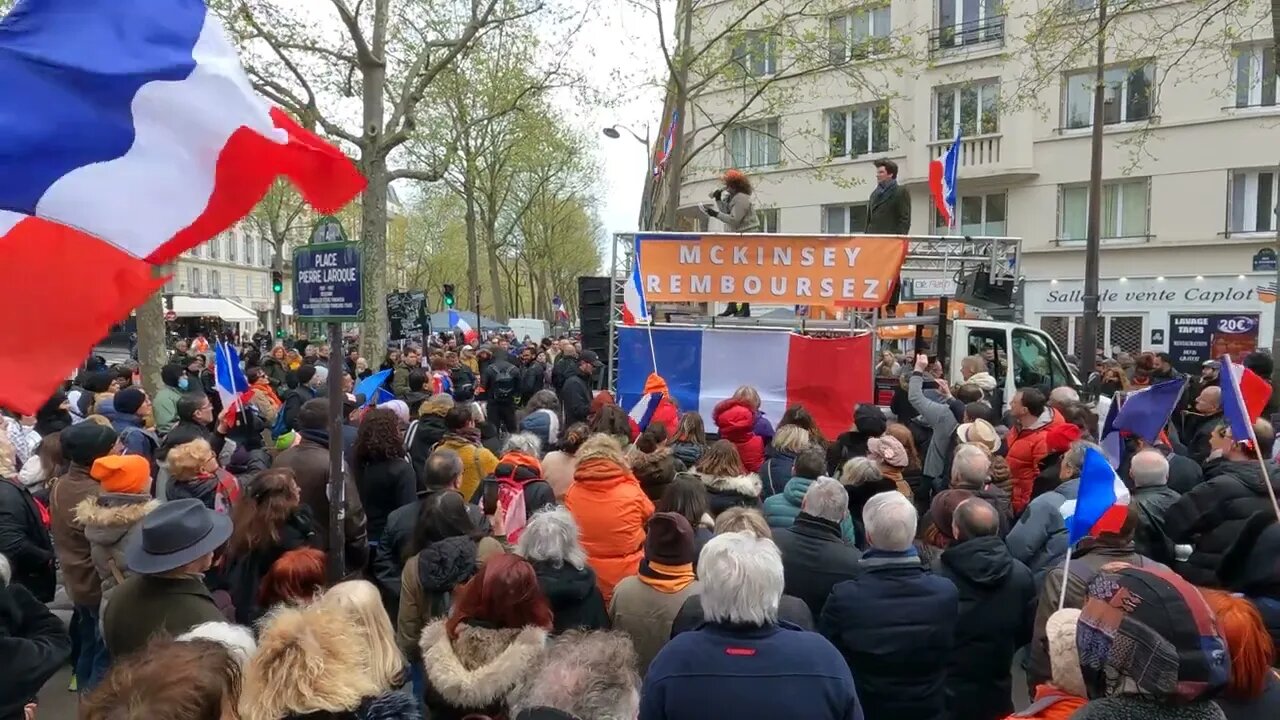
654,406
1239,481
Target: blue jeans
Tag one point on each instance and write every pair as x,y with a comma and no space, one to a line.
94,660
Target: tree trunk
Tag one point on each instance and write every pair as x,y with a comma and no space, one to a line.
152,350
499,302
473,242
373,216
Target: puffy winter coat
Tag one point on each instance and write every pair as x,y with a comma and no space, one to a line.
776,471
727,492
1040,536
781,510
1211,516
429,581
612,511
1027,447
574,597
474,673
107,519
736,423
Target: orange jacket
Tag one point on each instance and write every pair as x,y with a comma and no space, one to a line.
612,511
1050,704
1027,447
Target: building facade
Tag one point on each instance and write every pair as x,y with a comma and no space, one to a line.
1189,163
228,277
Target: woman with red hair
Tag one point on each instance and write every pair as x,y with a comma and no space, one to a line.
491,640
1253,690
295,578
735,208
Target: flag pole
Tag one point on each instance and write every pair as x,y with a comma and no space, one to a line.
1266,476
1066,573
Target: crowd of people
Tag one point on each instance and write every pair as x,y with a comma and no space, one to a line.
517,545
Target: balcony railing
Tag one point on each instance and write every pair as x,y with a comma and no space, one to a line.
978,151
974,32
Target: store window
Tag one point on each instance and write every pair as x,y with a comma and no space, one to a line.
1116,333
841,219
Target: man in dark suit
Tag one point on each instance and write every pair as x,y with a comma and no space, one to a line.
889,209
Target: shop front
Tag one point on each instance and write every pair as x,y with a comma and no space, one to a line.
1194,318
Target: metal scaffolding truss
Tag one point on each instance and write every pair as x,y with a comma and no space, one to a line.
946,253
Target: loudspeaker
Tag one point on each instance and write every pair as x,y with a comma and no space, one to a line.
975,288
593,309
593,291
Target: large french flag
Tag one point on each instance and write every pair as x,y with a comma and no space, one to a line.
942,181
703,367
133,123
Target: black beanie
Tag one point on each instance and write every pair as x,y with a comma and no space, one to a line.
87,441
129,400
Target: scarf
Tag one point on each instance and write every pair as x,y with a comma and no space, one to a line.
469,436
667,579
263,386
319,437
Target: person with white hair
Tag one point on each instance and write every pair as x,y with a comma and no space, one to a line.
550,543
971,470
1063,396
893,616
1152,498
522,491
814,553
743,662
582,676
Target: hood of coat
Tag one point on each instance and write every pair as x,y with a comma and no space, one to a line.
735,420
983,561
687,452
481,665
795,489
565,585
445,564
656,464
746,485
108,517
389,706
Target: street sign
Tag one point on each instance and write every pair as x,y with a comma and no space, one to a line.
328,282
170,316
328,230
1264,260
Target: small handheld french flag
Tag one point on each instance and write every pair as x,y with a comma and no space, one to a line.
634,308
642,411
229,377
468,333
942,181
1102,502
1244,397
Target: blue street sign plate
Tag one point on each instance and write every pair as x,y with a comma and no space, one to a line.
328,282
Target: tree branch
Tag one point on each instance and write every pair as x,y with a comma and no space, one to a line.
363,54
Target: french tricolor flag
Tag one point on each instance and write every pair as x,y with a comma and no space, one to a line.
469,333
942,181
635,311
130,133
1102,501
1244,397
702,367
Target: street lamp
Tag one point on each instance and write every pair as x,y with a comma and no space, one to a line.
646,204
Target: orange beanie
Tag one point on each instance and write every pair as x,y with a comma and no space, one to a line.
122,474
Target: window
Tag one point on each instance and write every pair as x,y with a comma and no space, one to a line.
1256,78
979,215
265,256
858,131
756,53
978,105
1124,210
248,250
1253,201
968,22
1035,364
841,219
231,249
755,144
769,220
859,34
193,277
215,283
262,286
1126,96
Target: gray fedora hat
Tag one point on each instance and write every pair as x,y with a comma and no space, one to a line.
174,534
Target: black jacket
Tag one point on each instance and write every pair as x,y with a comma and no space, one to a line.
868,422
1198,442
997,607
814,559
421,439
889,211
1184,473
242,575
575,398
397,540
895,625
1151,505
25,541
564,368
489,380
292,402
1249,567
777,470
1213,513
385,486
575,599
790,610
34,645
533,377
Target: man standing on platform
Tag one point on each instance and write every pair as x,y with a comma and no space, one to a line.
889,209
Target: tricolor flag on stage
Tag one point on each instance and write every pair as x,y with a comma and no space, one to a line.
1101,503
635,310
469,333
132,122
703,367
942,181
1244,396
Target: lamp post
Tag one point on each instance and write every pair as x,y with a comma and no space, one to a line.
646,203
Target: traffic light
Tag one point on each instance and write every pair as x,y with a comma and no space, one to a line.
277,282
279,332
448,295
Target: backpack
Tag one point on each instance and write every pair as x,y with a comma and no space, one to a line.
506,383
514,514
464,384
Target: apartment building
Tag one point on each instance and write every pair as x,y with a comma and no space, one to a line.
1191,160
228,277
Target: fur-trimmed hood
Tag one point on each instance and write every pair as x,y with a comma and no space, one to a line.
108,517
481,666
745,485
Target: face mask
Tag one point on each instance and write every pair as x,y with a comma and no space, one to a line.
183,383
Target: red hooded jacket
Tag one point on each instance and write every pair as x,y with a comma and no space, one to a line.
736,423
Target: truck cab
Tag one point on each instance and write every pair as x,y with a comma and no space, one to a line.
1018,357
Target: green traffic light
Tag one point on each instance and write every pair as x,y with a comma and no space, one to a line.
279,332
448,300
277,287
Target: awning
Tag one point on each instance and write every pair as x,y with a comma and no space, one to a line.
186,306
286,309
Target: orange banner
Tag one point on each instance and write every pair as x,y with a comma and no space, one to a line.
847,271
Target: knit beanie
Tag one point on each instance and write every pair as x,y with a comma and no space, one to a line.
122,474
670,539
85,442
129,400
1064,660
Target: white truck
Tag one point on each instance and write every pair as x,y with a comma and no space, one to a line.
533,328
